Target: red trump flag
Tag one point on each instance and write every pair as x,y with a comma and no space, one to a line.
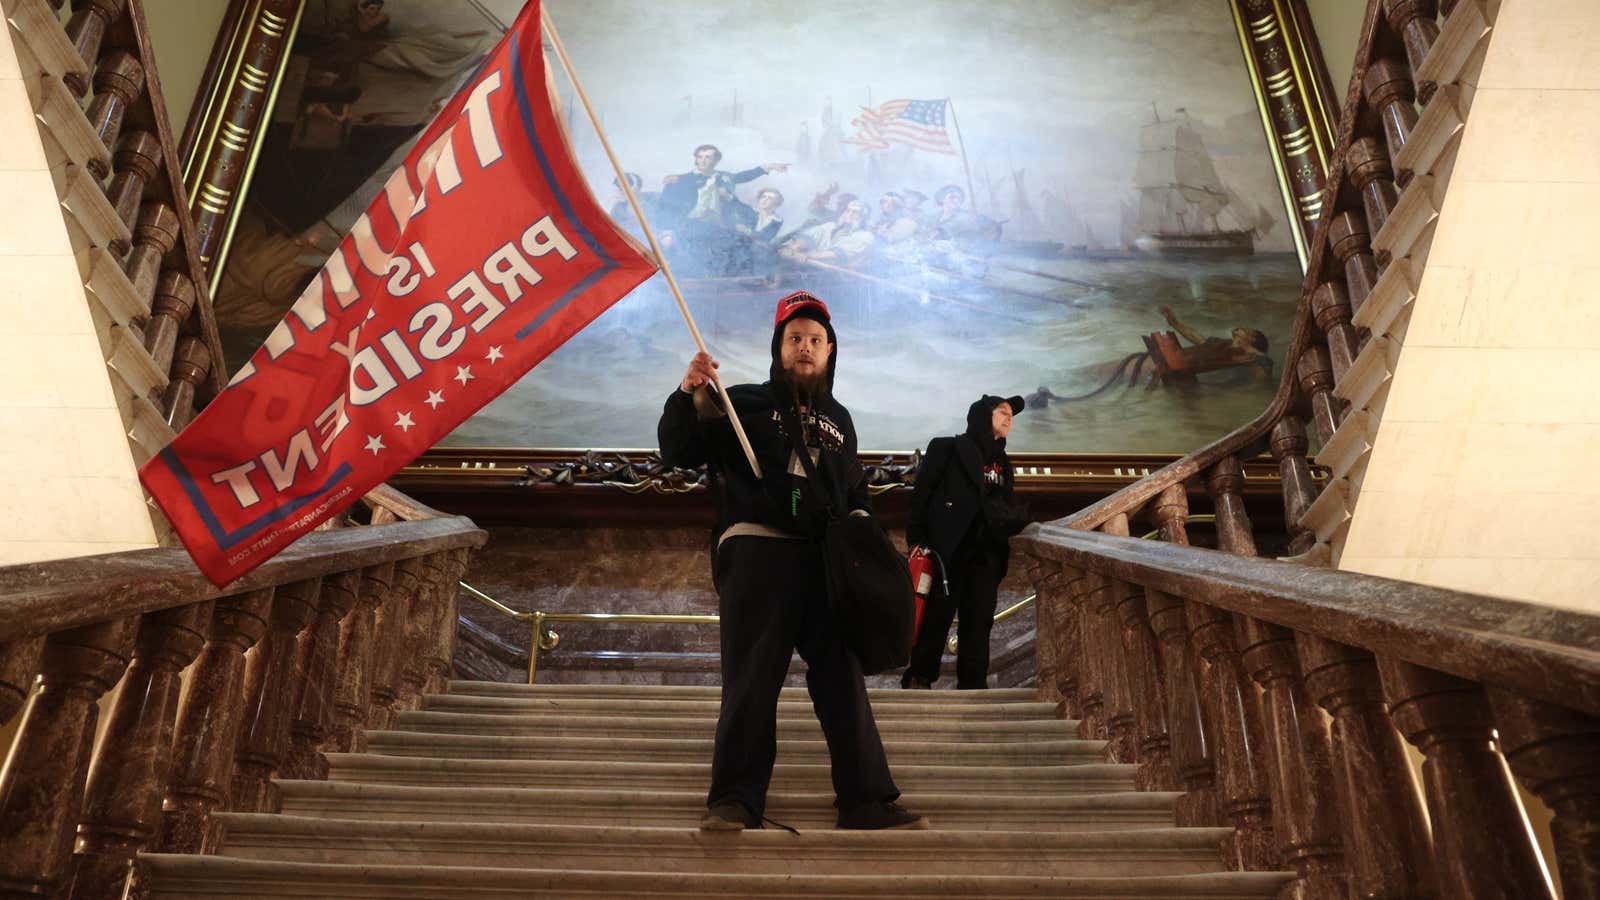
482,254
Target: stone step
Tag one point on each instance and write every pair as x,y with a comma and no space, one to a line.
713,692
212,876
802,726
980,780
796,707
698,749
1154,851
588,806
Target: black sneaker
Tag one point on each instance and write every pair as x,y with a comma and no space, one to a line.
880,815
730,816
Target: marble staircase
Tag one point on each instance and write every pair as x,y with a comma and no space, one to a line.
594,790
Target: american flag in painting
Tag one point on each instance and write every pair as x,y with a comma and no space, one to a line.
919,123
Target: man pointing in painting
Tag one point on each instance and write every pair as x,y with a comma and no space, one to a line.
698,210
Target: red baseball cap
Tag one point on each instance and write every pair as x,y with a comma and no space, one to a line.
795,303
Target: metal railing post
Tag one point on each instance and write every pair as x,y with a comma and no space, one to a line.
533,647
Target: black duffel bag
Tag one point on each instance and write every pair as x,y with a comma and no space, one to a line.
869,583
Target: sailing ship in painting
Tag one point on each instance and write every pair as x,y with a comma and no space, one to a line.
1183,207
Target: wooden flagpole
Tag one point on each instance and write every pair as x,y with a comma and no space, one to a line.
649,233
967,167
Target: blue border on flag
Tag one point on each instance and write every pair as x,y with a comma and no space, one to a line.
607,263
227,539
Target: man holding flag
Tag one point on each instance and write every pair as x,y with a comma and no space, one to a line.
483,253
768,567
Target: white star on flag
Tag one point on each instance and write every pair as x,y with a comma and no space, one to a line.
464,375
403,422
434,399
375,443
493,355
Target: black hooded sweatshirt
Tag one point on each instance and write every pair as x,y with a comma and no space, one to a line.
953,493
781,500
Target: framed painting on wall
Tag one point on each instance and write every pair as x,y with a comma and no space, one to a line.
1071,200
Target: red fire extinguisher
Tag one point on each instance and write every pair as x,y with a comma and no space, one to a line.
924,562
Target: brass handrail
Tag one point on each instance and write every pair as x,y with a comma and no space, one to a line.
543,638
952,645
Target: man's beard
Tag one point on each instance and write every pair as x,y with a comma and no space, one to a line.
808,389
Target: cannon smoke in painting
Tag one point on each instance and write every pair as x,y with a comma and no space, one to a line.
1073,201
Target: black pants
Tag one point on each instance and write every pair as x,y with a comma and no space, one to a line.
974,575
773,601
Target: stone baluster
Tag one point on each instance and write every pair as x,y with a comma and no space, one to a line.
153,238
1191,745
1192,760
1141,663
1388,88
439,648
268,681
1481,842
413,667
1047,633
1080,589
1556,754
1350,240
19,666
1048,640
87,29
1369,168
1300,775
1053,585
1225,481
117,84
1385,835
1242,752
208,724
1304,800
1316,380
315,677
174,300
389,628
138,161
354,678
41,786
1417,23
1228,697
122,800
460,561
1146,678
1121,727
189,371
1289,446
1331,307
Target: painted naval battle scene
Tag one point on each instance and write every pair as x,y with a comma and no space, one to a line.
1072,201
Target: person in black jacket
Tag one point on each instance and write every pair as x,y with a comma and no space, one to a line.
962,508
768,569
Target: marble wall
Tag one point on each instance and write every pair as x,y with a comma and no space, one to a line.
1482,476
181,35
67,480
632,570
1338,27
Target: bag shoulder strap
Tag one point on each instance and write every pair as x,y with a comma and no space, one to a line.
791,419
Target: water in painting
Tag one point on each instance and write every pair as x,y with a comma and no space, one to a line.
1069,200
